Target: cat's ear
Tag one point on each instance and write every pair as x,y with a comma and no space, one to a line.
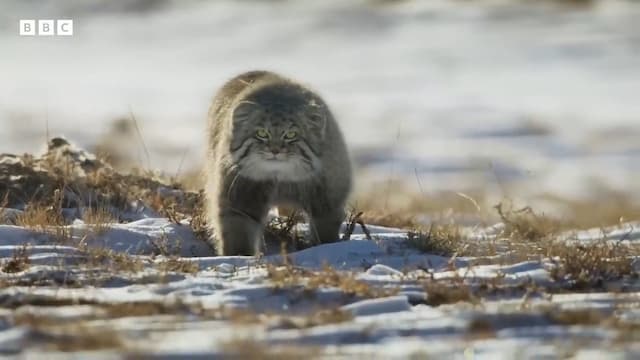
245,110
317,119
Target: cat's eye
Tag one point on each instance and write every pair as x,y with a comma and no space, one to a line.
262,134
291,134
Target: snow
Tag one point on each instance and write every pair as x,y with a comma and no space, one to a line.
396,325
379,306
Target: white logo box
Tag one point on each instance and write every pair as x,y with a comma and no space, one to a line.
45,27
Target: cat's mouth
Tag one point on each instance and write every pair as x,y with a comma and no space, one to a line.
276,157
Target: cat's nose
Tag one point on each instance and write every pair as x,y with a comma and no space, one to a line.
275,151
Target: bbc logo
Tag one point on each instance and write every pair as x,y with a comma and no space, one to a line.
46,27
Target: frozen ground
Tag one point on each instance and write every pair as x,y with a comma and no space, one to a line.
237,306
466,94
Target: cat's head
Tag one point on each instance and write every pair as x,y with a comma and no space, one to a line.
278,134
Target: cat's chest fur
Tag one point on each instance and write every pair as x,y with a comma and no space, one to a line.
276,192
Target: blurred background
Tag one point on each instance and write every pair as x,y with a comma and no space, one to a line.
520,99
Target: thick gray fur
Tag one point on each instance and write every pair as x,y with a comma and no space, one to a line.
247,175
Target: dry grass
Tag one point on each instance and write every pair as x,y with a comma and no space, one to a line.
354,219
78,338
45,218
145,308
390,219
605,207
439,293
79,335
14,302
66,178
569,317
3,209
440,239
400,205
162,246
628,330
589,266
115,310
19,261
98,219
525,224
480,328
112,260
448,291
288,276
172,251
282,231
254,350
175,264
397,205
315,318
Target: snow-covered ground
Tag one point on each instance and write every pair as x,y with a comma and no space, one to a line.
516,320
466,94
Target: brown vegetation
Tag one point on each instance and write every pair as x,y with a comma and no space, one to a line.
19,261
290,276
252,349
589,266
438,239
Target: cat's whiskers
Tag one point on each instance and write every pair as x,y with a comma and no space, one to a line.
233,182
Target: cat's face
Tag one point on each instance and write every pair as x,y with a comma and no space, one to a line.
277,140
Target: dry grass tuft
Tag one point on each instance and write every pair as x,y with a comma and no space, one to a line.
441,239
605,207
525,224
390,219
78,338
66,177
480,328
46,218
177,308
162,246
172,262
254,350
3,209
399,205
569,317
175,264
13,302
317,318
283,232
289,276
113,260
198,219
330,277
98,219
588,266
355,218
443,292
115,310
143,308
19,261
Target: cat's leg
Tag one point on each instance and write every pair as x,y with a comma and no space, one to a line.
325,225
238,233
242,208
